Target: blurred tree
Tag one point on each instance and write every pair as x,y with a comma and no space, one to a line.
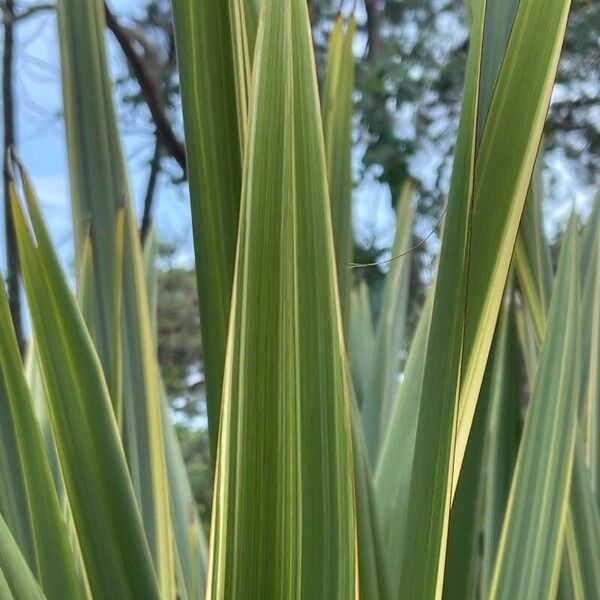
179,342
196,455
574,120
180,358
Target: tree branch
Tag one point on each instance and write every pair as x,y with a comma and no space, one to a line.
583,102
150,89
148,84
373,10
28,12
154,169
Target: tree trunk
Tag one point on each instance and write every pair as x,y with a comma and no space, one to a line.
12,259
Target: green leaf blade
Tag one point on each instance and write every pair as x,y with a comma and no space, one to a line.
488,189
16,579
337,108
112,286
92,462
212,130
284,517
52,559
390,333
529,551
